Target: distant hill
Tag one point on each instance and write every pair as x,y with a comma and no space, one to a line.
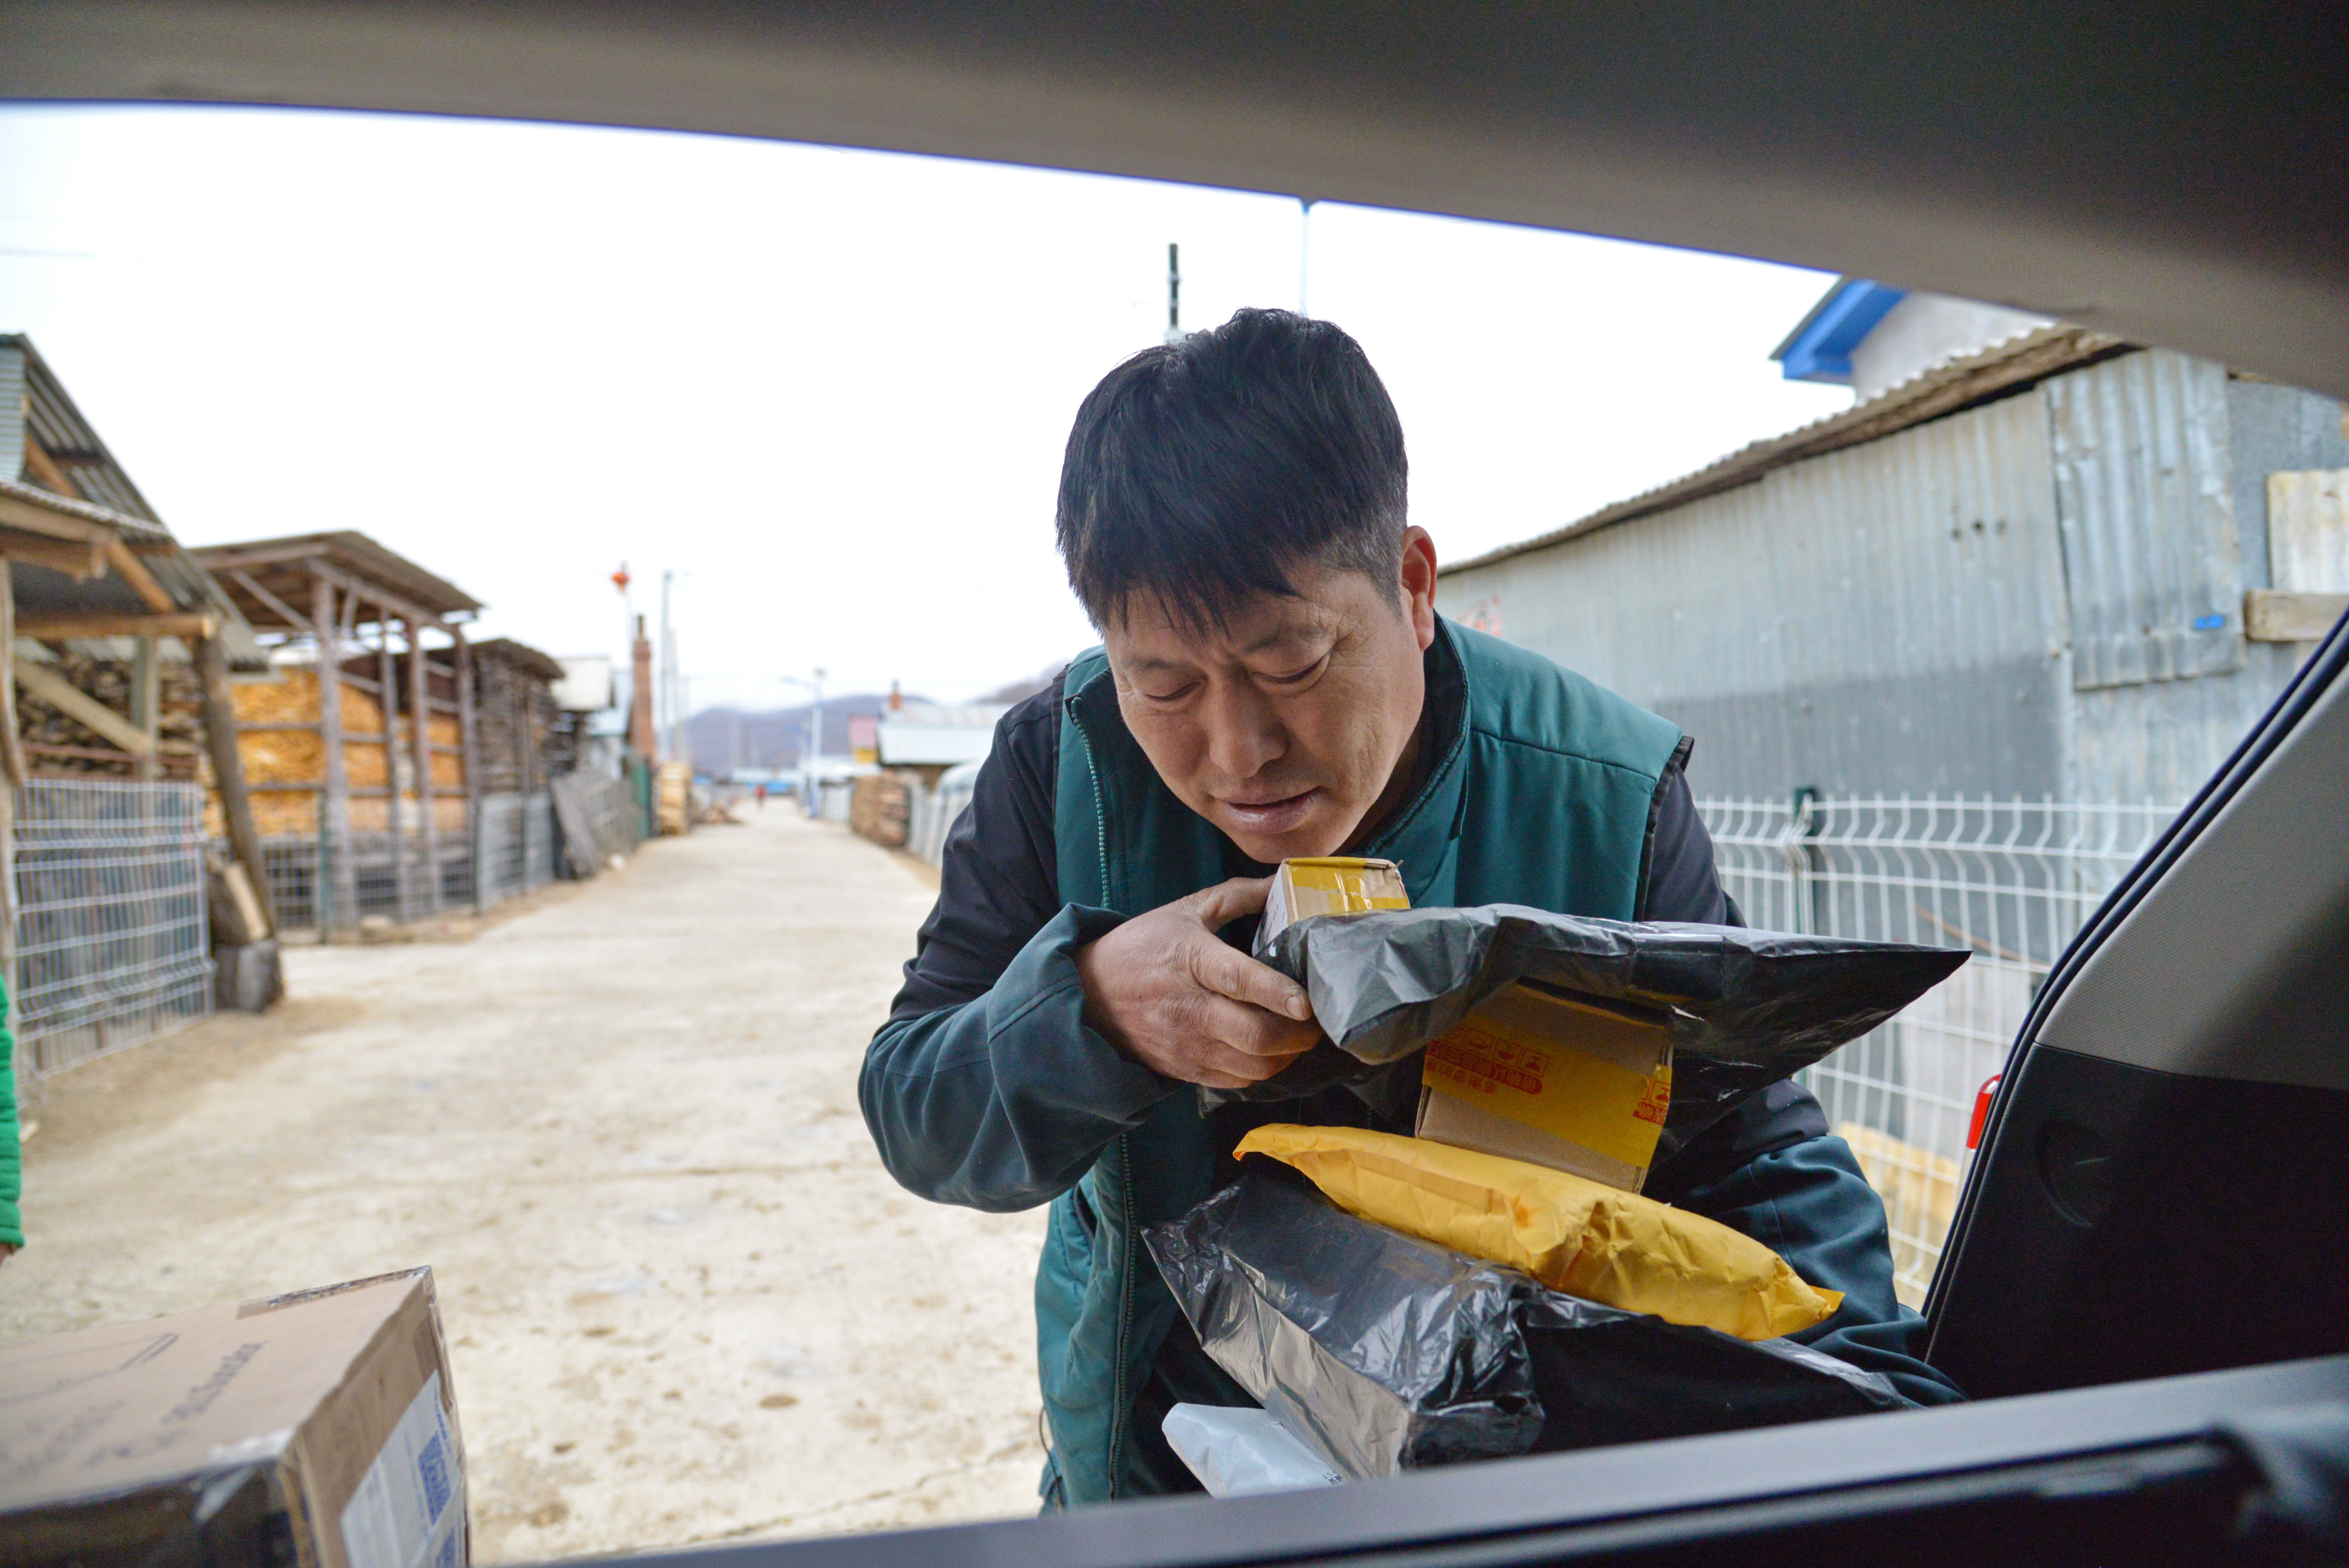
728,737
1018,690
725,738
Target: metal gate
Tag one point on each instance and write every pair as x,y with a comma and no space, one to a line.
112,944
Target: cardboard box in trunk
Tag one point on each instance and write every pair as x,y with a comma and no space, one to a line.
316,1429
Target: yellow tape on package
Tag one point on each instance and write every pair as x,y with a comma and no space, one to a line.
1575,1235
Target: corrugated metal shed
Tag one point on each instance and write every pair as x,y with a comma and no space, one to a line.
42,589
1808,627
2144,502
2039,594
1996,371
41,427
13,407
42,408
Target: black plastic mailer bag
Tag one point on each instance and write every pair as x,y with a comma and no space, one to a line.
1746,1007
1388,1354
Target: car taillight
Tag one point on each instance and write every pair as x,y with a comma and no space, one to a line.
1981,1109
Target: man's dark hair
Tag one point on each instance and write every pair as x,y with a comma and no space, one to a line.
1208,471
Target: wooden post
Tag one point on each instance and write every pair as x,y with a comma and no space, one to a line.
419,725
462,654
228,770
12,746
387,699
334,800
147,704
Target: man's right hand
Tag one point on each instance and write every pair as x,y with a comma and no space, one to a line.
1163,989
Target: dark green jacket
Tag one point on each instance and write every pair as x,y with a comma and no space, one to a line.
1539,792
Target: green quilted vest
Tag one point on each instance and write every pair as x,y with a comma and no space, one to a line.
1542,797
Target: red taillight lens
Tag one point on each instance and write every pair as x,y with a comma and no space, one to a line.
1981,1109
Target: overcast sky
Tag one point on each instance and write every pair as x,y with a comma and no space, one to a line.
828,389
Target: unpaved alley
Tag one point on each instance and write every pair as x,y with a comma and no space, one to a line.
684,1301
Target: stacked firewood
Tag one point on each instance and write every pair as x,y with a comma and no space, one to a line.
880,807
57,743
514,720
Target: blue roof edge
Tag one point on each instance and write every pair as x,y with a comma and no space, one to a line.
1821,349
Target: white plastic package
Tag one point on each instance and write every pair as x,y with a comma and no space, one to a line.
1234,1452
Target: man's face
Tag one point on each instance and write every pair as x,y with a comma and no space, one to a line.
1284,725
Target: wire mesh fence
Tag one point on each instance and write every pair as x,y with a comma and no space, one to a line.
113,946
392,876
599,817
515,844
2011,881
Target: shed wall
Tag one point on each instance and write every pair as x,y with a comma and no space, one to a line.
2144,502
2276,429
2161,484
1872,620
1899,617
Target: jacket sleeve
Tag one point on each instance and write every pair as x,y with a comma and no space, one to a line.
1004,1101
1808,1202
984,1088
1678,877
1769,1168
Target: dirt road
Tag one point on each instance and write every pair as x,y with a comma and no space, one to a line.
684,1301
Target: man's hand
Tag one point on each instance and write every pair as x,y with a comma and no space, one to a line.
1163,989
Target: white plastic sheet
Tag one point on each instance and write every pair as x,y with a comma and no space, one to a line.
1238,1451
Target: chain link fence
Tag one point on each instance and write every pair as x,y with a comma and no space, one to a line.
113,946
2011,881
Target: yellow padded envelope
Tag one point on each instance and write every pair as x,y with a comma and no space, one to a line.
1575,1235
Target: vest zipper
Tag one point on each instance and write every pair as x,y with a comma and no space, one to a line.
1118,1395
1101,809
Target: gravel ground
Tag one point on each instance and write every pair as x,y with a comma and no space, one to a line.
684,1302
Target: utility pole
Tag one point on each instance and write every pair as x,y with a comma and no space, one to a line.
1173,294
668,692
630,630
814,746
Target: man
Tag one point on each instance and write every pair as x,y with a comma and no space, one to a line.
1273,682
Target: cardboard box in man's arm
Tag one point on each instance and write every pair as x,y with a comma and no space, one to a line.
316,1429
1574,1083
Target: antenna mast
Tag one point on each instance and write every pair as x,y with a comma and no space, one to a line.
1173,294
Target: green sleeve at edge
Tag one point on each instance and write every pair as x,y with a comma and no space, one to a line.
12,1153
